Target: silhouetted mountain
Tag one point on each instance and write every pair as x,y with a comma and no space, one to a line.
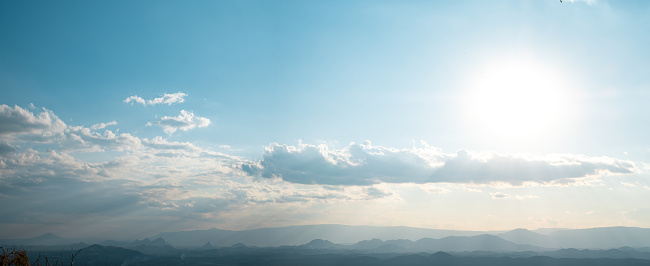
239,245
321,244
523,236
323,252
158,242
602,238
621,253
297,235
609,242
592,238
401,242
460,244
547,231
448,244
368,244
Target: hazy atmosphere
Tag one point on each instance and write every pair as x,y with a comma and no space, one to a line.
124,119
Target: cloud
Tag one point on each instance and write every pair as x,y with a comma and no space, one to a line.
499,195
357,164
433,189
523,197
48,187
54,188
162,144
376,192
517,169
21,121
6,148
168,99
158,182
589,2
32,167
185,121
364,164
102,125
83,139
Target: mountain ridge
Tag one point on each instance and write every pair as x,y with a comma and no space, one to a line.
367,237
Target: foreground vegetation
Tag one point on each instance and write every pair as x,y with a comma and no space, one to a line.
242,255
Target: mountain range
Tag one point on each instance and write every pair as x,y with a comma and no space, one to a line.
380,237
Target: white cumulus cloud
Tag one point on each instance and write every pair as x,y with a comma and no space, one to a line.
17,120
185,121
167,98
364,164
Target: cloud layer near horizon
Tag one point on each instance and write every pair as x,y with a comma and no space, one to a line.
365,164
148,179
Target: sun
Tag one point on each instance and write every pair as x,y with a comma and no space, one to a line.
516,100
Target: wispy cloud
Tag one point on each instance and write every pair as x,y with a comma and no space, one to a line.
499,195
102,125
589,2
6,148
185,121
168,98
83,139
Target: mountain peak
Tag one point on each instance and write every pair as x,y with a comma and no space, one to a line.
369,244
319,243
158,242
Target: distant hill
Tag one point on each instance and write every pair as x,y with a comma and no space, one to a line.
592,238
374,238
493,251
470,243
602,238
298,235
321,244
447,244
158,242
523,236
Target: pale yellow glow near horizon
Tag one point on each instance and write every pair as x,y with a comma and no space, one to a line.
516,101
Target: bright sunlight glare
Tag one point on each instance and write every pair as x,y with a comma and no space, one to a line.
516,101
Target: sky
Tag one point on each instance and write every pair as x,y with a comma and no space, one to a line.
123,119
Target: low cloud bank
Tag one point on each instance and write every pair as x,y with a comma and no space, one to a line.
364,164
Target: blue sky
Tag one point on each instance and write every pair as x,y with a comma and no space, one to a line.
125,119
